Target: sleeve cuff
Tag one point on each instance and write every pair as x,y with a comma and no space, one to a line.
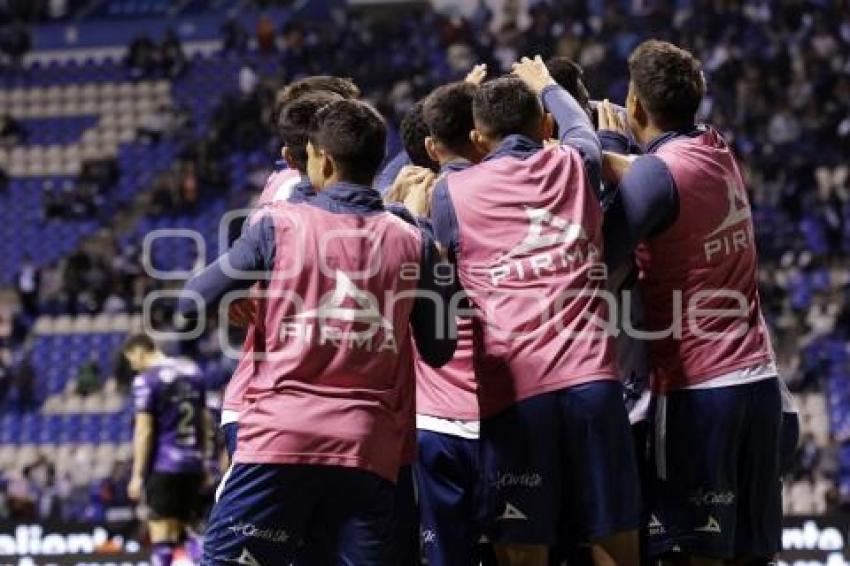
614,141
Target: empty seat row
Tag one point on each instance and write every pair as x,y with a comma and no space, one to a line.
86,324
82,93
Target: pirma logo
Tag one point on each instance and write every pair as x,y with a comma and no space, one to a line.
346,317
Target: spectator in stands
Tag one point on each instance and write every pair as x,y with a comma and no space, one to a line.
11,132
141,57
5,379
88,378
234,36
15,42
808,456
22,497
248,80
24,382
265,34
171,56
57,9
4,499
28,282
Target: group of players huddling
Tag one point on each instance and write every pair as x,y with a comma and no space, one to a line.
540,343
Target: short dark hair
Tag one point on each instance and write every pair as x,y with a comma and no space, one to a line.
569,75
327,83
413,131
139,340
354,134
448,114
668,82
506,106
296,119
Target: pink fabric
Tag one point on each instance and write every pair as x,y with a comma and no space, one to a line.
279,180
337,387
707,254
450,392
530,258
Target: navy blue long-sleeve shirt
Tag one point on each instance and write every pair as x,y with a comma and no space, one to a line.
255,252
647,200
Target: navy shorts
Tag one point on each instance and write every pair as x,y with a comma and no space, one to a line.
406,520
562,463
303,514
231,431
451,498
717,482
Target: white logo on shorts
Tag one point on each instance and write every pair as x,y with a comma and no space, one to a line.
720,498
512,512
247,558
712,526
655,526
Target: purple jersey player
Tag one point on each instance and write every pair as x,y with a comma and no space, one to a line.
169,441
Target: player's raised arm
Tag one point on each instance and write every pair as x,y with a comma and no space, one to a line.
574,126
252,253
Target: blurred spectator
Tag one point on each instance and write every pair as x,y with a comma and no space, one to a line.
24,383
265,34
172,58
15,42
88,378
808,456
141,57
234,36
28,282
248,80
57,9
5,379
11,132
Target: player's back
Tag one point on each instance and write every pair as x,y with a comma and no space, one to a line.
337,369
173,393
706,258
530,249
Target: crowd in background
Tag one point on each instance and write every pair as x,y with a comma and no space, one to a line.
778,77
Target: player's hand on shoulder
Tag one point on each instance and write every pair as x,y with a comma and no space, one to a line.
533,73
615,165
477,75
409,184
418,200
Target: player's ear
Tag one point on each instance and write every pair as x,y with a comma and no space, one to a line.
431,149
479,141
287,157
548,126
328,164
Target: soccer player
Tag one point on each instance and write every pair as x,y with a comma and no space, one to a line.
525,228
448,471
290,184
342,86
718,413
168,441
324,421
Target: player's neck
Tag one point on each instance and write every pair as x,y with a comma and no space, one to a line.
156,359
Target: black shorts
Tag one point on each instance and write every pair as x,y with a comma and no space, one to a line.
173,496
